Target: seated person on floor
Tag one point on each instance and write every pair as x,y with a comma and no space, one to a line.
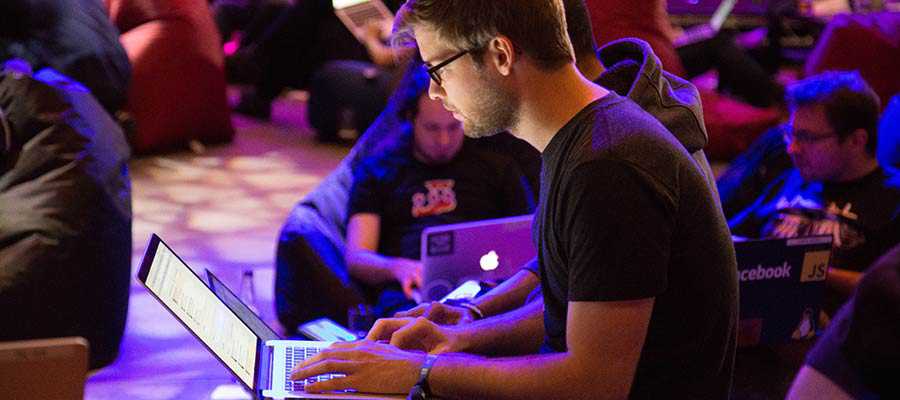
285,44
430,176
858,354
837,186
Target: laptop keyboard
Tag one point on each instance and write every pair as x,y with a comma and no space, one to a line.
296,355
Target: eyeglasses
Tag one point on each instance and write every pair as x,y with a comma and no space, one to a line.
434,72
805,137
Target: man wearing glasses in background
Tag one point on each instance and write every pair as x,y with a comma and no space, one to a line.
836,186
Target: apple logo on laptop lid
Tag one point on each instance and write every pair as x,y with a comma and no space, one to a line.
490,261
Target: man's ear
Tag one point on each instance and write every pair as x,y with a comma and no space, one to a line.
501,54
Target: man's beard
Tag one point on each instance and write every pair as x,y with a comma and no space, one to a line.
498,110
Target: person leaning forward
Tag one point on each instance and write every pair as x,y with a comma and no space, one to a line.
636,264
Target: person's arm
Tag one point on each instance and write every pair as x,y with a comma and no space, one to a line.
381,54
604,341
811,384
509,295
365,264
517,332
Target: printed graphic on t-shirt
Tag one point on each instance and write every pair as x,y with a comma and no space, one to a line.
807,217
440,199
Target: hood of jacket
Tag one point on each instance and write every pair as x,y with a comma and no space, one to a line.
634,71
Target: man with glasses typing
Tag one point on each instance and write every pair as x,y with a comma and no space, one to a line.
628,231
836,186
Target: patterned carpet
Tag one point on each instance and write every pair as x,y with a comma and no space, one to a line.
219,208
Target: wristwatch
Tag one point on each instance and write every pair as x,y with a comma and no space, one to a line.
421,391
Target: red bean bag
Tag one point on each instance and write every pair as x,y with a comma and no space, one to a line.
177,90
869,43
733,125
647,20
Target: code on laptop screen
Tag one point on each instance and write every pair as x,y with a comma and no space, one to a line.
203,313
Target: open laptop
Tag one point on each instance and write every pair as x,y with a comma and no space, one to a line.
782,284
241,310
708,30
322,329
487,250
356,14
46,369
262,365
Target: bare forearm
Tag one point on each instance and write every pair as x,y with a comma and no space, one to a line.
551,376
514,333
369,267
381,55
509,295
604,341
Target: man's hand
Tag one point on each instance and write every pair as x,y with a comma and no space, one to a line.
439,313
408,273
416,334
376,30
369,367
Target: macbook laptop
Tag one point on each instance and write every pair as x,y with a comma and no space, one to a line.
782,284
356,14
241,310
708,7
708,30
262,365
488,250
322,329
46,369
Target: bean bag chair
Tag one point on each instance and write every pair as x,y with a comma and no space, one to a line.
65,215
177,91
869,43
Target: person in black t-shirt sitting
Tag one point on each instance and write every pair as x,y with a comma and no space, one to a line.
837,186
430,176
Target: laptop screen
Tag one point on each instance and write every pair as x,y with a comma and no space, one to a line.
195,305
721,14
256,324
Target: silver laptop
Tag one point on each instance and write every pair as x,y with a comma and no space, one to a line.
708,30
46,369
488,250
262,366
356,14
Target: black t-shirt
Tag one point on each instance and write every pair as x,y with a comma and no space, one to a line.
860,351
410,196
626,214
862,215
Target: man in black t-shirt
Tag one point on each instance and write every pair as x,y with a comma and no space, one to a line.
836,186
636,261
432,176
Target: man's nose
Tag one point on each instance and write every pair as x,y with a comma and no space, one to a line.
443,137
435,91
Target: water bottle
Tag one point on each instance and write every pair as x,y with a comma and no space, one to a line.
248,291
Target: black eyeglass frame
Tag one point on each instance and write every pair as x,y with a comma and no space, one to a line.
433,71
